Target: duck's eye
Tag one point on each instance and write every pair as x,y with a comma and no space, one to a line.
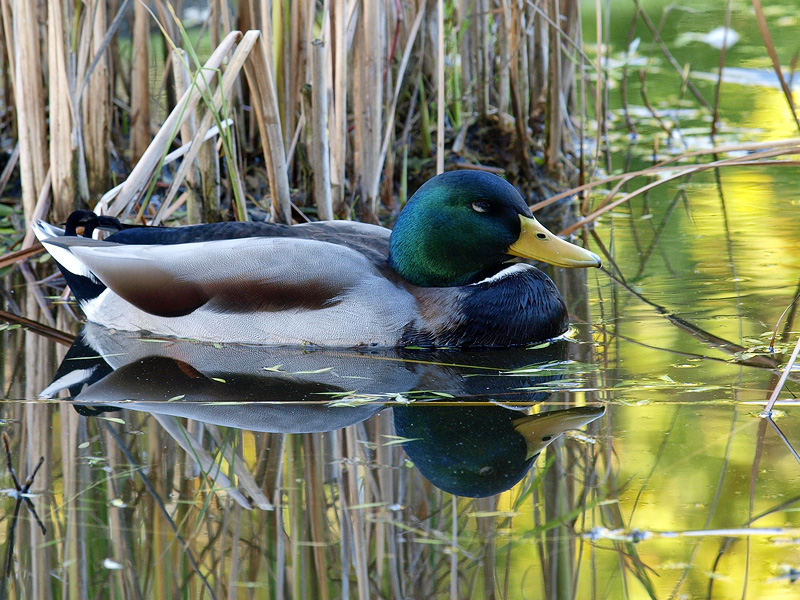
547,438
541,236
480,206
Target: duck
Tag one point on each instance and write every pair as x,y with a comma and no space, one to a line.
442,277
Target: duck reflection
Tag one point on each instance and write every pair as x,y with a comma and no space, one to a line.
462,415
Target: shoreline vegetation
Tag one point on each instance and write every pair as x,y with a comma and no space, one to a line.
289,111
334,109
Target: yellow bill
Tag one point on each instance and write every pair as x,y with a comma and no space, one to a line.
538,243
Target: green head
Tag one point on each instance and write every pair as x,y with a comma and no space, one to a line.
462,223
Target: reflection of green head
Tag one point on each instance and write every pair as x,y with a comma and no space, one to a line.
478,451
468,451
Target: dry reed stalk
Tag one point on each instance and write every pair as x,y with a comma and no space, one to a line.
466,14
216,14
757,151
260,78
202,179
45,331
183,79
7,53
504,50
208,161
555,115
368,102
8,170
537,60
524,32
13,257
143,171
29,102
481,46
140,82
600,106
441,85
570,43
61,121
298,60
512,20
96,102
338,120
390,116
319,127
39,212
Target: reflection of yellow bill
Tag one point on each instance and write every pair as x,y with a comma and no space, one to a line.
541,429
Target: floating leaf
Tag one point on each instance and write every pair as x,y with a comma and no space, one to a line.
396,439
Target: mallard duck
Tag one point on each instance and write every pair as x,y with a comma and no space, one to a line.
440,278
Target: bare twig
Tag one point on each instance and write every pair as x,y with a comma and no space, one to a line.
50,333
782,381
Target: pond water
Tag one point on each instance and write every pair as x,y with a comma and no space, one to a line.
181,470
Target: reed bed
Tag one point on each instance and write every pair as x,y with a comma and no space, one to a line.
125,81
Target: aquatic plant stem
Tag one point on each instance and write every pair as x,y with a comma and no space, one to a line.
767,412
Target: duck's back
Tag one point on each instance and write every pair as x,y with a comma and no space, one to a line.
370,240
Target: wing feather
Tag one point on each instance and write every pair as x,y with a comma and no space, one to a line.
227,275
